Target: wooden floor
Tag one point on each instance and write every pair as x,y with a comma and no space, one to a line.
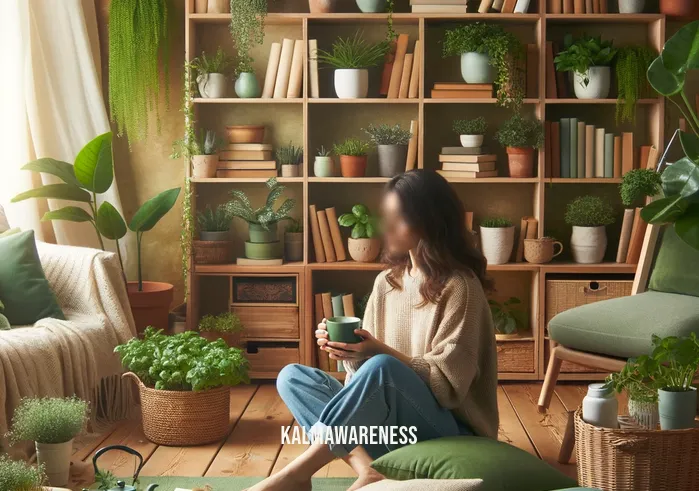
253,447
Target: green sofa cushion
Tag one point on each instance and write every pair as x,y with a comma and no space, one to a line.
23,286
622,327
676,266
502,467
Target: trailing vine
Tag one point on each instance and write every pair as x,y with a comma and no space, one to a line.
632,63
186,232
138,54
391,34
247,29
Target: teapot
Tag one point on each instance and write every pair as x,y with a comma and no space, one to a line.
121,485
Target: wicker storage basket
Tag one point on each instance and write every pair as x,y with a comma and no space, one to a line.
636,459
213,251
183,418
515,356
567,294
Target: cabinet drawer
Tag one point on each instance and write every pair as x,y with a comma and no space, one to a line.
562,295
265,359
515,356
268,322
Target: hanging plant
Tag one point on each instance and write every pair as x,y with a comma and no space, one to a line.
391,34
138,54
632,63
247,29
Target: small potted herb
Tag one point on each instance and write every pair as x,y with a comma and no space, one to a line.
497,239
508,317
17,475
51,423
471,131
353,156
203,152
351,58
323,165
520,136
590,59
212,74
363,245
589,215
392,146
226,326
289,159
293,241
639,378
637,185
214,246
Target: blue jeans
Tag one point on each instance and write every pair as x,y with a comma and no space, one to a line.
384,392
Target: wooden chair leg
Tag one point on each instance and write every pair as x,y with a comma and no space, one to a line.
552,372
568,442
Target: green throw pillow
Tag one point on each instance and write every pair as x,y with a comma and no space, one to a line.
23,286
502,467
675,268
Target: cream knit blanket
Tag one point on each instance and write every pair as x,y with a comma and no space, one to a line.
61,358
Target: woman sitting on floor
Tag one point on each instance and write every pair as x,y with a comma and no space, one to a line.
427,360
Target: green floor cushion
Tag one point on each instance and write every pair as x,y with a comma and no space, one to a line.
623,327
676,268
24,290
502,467
426,484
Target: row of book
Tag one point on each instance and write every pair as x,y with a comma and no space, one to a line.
244,160
284,75
327,305
504,6
469,163
400,78
577,6
325,232
633,229
439,6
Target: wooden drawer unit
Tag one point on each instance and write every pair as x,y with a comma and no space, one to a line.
567,294
268,322
269,359
515,356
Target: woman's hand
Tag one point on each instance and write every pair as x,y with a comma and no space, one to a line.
368,347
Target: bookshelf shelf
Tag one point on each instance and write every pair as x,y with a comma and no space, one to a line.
583,180
429,100
328,100
493,180
349,180
237,100
226,269
600,101
569,267
605,18
226,180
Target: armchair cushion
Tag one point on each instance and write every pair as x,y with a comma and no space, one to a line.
675,269
4,225
622,327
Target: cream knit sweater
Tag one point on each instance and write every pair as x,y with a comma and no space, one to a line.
452,343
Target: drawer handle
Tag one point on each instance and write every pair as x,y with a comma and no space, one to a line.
588,290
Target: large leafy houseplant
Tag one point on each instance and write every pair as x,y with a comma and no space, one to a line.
266,215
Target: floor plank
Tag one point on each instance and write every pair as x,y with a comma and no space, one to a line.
253,446
86,444
511,429
194,461
288,452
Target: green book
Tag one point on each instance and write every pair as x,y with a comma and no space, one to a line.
573,147
565,147
609,155
338,306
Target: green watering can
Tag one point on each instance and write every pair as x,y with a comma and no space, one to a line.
121,485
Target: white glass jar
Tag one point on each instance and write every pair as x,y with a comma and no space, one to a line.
600,407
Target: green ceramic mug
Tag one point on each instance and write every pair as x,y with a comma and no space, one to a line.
341,329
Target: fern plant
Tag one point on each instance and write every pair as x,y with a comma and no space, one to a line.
240,206
632,63
215,220
247,29
138,54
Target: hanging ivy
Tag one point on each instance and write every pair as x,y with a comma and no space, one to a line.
247,29
138,54
632,63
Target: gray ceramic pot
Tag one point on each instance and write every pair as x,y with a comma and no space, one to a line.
371,6
258,235
267,250
677,409
392,159
214,236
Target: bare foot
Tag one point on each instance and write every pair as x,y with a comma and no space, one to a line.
281,481
366,478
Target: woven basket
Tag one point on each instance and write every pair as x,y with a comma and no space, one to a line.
567,294
636,459
213,251
183,418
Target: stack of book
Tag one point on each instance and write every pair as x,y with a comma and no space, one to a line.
460,90
504,6
243,160
284,75
327,305
577,6
327,239
400,78
470,163
439,6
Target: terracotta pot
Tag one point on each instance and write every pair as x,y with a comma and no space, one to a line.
520,161
353,166
204,165
246,133
364,250
231,338
323,6
291,170
676,8
150,307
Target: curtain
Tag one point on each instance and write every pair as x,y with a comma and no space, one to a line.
52,104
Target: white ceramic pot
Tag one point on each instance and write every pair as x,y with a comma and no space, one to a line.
631,6
588,244
600,407
497,243
323,166
645,413
471,141
56,460
598,83
212,85
351,83
476,69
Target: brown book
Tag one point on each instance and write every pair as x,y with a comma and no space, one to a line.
259,147
412,146
405,76
326,237
272,66
589,151
245,155
327,305
603,7
323,360
652,160
338,244
579,7
461,94
568,7
561,77
244,174
467,175
644,152
484,7
468,219
595,6
497,4
549,156
315,234
551,91
625,237
313,68
627,153
532,71
532,228
599,152
245,165
468,167
508,7
582,142
281,84
638,231
468,158
617,158
244,261
554,6
462,86
348,304
555,149
588,6
387,69
414,86
523,224
296,71
397,70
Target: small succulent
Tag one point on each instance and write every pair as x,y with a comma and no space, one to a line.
323,152
498,222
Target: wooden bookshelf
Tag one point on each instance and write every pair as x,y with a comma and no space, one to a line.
311,122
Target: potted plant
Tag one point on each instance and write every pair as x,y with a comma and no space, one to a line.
262,222
631,6
678,360
289,159
92,174
471,131
639,378
488,54
214,246
363,245
497,239
353,156
590,59
189,376
520,136
226,326
352,57
203,153
392,145
323,165
372,6
212,74
293,241
631,65
637,185
51,423
247,28
589,215
508,318
20,476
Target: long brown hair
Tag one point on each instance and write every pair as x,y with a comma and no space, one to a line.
435,213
